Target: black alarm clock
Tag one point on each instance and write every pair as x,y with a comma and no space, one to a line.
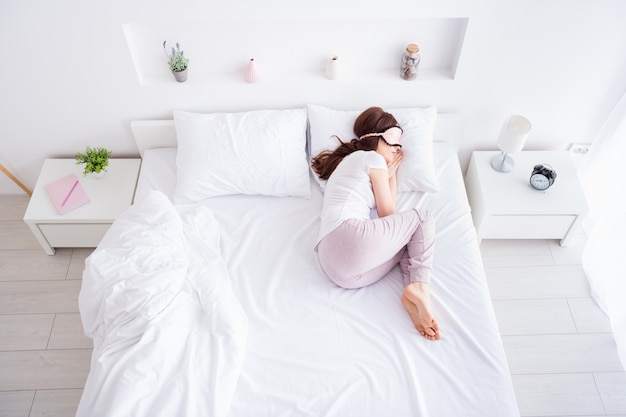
542,177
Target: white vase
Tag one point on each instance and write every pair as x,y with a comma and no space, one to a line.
333,68
97,175
252,73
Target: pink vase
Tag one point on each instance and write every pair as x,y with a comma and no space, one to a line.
252,74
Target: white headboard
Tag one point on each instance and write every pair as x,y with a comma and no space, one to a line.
161,133
154,134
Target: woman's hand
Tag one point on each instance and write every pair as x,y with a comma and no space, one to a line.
394,164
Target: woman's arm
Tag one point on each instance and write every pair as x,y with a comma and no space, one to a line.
385,186
393,186
385,198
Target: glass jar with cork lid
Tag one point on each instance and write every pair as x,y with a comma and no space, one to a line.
410,62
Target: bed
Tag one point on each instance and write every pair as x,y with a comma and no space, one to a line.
217,306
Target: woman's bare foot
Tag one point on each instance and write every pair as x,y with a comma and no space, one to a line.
416,300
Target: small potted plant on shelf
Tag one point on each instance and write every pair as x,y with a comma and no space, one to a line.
96,161
177,61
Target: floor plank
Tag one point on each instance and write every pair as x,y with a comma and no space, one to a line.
568,353
570,254
557,395
32,297
17,235
56,403
13,207
25,331
34,265
16,403
44,369
77,264
588,316
496,252
67,333
531,317
612,388
537,282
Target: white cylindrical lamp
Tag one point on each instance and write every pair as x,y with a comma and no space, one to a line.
511,140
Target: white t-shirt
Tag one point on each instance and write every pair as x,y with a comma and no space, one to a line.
348,193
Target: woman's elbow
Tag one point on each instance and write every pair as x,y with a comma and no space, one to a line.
385,211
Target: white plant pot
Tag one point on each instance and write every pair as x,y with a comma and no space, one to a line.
97,175
181,76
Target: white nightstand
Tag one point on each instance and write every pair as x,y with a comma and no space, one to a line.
86,225
505,206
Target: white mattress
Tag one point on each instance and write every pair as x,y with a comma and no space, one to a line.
314,349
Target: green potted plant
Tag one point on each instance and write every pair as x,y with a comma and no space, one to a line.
96,160
177,61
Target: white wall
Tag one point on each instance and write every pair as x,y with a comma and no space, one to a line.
68,80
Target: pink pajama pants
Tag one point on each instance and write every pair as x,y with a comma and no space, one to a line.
360,252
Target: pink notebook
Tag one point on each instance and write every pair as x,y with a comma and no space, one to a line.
67,193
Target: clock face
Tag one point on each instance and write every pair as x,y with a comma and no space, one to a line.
539,182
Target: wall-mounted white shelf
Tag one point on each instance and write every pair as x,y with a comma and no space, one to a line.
296,77
296,51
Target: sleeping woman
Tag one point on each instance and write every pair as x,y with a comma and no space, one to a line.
356,250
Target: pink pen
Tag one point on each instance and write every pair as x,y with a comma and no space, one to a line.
69,194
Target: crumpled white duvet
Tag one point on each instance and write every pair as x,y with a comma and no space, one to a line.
169,333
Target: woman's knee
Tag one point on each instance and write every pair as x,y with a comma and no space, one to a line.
426,224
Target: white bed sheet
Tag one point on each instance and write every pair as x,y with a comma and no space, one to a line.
314,349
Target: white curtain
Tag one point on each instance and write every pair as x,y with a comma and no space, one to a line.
603,176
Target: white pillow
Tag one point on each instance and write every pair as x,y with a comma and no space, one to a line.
257,152
417,171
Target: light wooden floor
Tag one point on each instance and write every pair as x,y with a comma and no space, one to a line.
560,349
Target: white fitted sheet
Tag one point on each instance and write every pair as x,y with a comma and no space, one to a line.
314,349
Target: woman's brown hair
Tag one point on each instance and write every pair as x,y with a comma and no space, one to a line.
372,120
